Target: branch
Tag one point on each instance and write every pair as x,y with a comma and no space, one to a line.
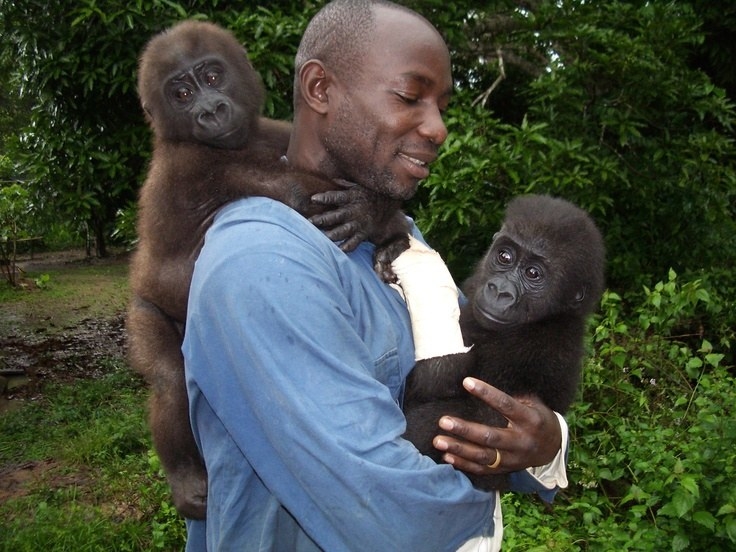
483,98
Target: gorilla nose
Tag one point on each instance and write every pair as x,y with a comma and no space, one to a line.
214,116
503,296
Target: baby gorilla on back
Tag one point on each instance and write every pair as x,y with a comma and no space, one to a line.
202,98
528,300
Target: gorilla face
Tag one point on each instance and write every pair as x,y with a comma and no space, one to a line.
197,85
200,102
516,288
546,261
203,104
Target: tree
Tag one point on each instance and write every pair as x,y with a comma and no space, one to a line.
604,110
77,65
13,209
85,149
602,103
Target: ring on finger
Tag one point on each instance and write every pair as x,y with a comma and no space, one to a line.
497,462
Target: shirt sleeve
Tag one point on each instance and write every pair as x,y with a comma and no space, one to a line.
546,480
290,347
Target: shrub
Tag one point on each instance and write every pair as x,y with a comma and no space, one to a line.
652,464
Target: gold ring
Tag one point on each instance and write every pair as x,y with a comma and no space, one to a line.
497,462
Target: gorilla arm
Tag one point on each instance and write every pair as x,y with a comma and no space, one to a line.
359,214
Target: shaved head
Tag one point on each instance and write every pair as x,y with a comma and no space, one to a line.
341,33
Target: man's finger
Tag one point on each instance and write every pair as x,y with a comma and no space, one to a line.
494,397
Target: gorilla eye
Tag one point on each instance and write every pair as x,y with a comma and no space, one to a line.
212,78
533,273
505,257
183,94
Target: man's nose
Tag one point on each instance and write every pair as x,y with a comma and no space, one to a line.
433,128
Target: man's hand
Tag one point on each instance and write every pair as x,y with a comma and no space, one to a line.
532,437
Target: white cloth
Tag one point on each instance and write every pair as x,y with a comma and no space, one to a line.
488,544
554,474
432,299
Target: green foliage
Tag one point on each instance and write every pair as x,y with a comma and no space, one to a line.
600,103
271,36
84,151
125,225
653,461
14,210
663,129
42,281
103,490
603,103
600,106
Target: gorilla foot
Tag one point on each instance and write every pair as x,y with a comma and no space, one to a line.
189,493
386,254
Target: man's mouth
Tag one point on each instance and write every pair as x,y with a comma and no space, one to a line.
418,168
413,160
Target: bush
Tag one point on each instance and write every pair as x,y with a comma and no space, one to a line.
653,463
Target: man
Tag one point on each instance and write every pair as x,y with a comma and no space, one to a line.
296,353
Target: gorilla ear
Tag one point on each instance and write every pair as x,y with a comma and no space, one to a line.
580,294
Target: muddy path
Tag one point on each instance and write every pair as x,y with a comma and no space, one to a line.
65,331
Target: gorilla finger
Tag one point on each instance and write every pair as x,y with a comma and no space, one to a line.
332,197
352,242
345,231
331,218
386,272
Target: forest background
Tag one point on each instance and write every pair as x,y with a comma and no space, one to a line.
623,107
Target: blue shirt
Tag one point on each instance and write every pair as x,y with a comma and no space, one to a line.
296,355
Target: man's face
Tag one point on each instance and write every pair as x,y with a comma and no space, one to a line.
387,125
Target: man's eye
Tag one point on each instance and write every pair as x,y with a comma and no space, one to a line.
408,99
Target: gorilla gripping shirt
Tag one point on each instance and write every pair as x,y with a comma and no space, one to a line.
296,355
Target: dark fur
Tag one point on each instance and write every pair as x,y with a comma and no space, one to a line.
540,347
195,169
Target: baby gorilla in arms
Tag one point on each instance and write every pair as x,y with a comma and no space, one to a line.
522,328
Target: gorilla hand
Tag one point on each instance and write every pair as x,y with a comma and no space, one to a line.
353,218
361,214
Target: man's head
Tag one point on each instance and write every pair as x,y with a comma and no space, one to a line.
373,79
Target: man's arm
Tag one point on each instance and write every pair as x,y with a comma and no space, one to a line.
295,351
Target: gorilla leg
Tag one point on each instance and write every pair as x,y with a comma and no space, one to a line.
155,349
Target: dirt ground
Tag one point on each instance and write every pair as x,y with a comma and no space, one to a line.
56,339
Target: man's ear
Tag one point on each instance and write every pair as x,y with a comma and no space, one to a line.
315,84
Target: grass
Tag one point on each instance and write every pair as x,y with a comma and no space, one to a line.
71,293
76,467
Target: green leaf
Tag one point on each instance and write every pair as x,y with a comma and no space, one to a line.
680,542
682,502
706,519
